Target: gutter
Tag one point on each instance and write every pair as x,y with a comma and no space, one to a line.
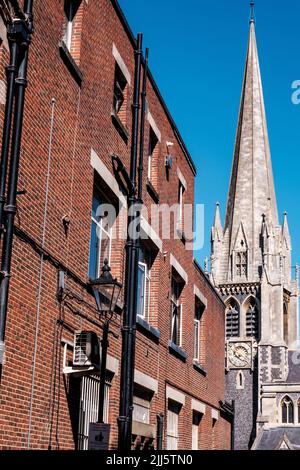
132,40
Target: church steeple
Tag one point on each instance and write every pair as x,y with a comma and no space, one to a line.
251,268
251,192
217,230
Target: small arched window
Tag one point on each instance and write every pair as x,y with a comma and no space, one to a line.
232,320
287,410
240,381
252,319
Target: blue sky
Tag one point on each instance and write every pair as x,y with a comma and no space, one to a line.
197,56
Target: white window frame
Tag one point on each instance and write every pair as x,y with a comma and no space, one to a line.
195,437
197,339
151,155
141,406
149,166
176,304
146,295
100,231
195,430
172,431
180,205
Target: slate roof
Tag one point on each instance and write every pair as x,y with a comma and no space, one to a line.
271,439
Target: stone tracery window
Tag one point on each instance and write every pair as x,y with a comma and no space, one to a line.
252,319
232,319
240,381
287,410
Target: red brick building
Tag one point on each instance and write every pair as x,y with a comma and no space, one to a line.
77,114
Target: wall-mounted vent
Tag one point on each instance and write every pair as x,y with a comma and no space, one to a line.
86,349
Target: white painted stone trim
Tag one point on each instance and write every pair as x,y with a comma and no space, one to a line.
278,388
107,176
112,365
200,296
214,414
121,64
198,406
178,268
145,381
181,178
175,395
154,126
148,232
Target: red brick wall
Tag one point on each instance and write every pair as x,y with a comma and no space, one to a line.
82,121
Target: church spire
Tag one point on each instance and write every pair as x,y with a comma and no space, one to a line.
217,230
251,192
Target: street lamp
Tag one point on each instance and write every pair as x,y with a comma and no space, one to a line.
106,291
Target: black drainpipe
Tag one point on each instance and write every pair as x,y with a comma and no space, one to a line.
132,258
160,431
142,133
24,30
11,73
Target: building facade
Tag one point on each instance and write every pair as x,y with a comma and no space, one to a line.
251,268
77,115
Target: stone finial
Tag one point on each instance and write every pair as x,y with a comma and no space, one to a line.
206,265
252,17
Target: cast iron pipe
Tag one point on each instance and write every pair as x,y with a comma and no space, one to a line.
142,133
160,431
104,350
11,70
25,31
132,258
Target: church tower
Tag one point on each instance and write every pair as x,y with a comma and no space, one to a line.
251,267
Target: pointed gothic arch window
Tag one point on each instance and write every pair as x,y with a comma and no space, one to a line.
240,381
252,319
287,410
232,319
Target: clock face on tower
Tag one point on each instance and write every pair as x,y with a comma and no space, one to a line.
239,355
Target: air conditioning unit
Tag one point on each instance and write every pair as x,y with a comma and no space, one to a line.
169,162
86,349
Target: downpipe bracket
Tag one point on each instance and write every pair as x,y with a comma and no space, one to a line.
130,329
10,209
4,275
